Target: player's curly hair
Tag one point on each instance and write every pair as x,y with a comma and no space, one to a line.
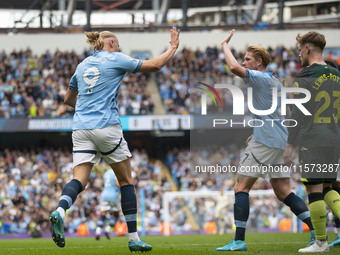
312,37
260,52
96,39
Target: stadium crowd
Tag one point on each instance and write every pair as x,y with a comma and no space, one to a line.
266,210
31,182
188,171
34,86
189,67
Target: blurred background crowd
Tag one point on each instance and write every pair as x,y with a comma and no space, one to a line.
34,86
31,179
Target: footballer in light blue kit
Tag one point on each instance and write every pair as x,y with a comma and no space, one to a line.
110,192
97,80
272,133
109,204
97,132
265,147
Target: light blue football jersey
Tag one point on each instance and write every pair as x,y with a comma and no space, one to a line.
272,134
111,190
97,80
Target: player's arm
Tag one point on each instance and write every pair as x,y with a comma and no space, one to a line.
288,112
299,117
248,139
235,67
157,63
287,155
292,137
117,183
293,132
71,97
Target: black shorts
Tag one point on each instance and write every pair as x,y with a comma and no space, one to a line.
319,165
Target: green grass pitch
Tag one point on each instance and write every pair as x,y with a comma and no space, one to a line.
277,243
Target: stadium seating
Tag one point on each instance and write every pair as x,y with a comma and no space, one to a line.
34,86
32,180
189,67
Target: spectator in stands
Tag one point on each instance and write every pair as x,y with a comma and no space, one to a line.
49,74
44,78
25,165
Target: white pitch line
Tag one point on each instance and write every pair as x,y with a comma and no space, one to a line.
222,244
50,248
169,244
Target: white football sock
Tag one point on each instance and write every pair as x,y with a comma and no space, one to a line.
134,236
61,212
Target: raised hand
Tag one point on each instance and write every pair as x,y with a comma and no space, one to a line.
287,156
174,41
229,36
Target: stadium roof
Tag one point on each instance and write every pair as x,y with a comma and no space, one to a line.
118,4
67,15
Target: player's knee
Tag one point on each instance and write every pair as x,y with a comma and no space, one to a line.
280,196
281,193
241,187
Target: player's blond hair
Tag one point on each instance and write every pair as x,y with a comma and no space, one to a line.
96,39
260,52
312,37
